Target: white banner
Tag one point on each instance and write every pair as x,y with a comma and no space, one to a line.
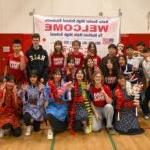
103,31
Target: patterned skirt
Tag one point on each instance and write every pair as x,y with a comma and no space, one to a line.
81,114
128,123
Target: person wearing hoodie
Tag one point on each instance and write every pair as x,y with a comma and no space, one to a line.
37,59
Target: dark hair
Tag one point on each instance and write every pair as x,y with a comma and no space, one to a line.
121,76
58,43
86,60
124,57
36,35
130,46
105,70
56,71
87,73
10,78
33,73
70,58
146,50
140,44
76,41
90,45
112,46
16,41
82,70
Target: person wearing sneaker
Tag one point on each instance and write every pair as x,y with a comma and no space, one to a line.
101,99
56,107
33,103
146,101
80,112
9,104
126,121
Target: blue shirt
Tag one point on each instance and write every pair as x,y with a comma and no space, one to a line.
58,110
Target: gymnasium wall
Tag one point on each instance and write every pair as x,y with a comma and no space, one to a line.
15,18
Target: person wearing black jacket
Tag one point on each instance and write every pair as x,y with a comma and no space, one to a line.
37,59
112,54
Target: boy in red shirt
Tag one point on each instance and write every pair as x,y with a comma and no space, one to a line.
15,64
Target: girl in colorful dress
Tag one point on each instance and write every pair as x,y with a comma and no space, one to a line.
101,99
33,102
80,109
56,95
9,105
126,121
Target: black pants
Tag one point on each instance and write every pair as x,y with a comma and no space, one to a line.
146,101
57,125
28,121
78,126
14,131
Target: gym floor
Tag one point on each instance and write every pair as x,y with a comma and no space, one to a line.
94,141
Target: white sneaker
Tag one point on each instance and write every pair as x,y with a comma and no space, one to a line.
146,117
86,130
1,133
28,130
50,135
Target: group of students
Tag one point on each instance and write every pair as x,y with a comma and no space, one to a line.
74,92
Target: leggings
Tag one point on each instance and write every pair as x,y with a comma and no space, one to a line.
57,125
28,121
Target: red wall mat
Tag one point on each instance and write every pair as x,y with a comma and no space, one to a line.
135,38
6,40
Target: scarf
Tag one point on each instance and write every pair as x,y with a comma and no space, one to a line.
80,90
54,93
87,105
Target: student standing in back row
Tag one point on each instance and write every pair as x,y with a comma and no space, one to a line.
15,64
57,58
37,59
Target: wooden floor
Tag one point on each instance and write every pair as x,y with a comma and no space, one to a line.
65,141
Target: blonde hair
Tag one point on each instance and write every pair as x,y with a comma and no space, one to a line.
95,73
